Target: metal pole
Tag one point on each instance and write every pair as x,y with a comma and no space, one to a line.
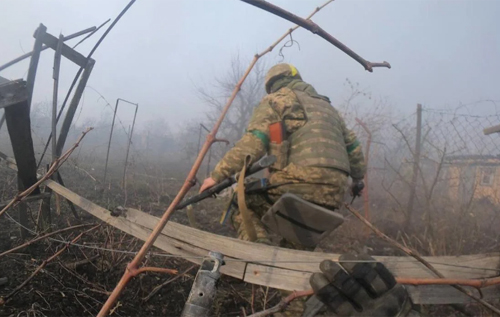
126,158
129,141
109,143
416,164
44,47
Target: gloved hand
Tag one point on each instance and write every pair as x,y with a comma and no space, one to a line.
354,288
357,187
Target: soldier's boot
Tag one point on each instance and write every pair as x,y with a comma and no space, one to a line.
295,246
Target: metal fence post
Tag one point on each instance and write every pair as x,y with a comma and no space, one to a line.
416,164
129,139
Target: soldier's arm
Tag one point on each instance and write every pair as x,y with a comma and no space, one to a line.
255,143
354,152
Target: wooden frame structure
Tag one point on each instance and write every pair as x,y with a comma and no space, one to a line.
16,98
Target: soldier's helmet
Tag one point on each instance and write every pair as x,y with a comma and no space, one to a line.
280,71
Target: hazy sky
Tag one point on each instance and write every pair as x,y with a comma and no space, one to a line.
441,52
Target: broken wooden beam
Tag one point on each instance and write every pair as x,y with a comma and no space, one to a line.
17,116
44,47
66,51
12,93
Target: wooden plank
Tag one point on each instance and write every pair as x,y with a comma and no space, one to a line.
71,54
44,47
172,246
423,295
278,277
444,294
491,130
267,275
12,93
308,261
18,121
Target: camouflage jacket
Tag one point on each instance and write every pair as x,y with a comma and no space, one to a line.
283,106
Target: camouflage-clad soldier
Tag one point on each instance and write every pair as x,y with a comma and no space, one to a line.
319,156
322,152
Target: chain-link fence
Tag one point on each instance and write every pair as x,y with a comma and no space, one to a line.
435,164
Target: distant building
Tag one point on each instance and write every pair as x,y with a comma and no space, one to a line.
473,178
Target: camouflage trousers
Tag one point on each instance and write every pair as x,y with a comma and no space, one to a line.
259,204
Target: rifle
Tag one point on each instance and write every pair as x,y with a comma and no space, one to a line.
258,166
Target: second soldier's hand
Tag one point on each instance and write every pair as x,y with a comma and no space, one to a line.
207,183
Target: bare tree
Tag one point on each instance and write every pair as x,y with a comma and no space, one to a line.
215,96
248,98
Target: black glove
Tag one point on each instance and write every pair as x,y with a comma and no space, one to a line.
357,188
355,288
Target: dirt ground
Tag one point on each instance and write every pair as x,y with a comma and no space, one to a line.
79,281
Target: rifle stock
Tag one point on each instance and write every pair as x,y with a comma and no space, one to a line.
258,166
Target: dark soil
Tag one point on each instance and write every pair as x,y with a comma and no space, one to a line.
60,290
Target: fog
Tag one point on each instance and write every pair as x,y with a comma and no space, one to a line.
442,52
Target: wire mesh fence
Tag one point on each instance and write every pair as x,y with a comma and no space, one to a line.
443,159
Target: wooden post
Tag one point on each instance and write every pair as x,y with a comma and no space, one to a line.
14,98
22,208
55,76
73,105
416,164
45,219
35,57
71,205
2,119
